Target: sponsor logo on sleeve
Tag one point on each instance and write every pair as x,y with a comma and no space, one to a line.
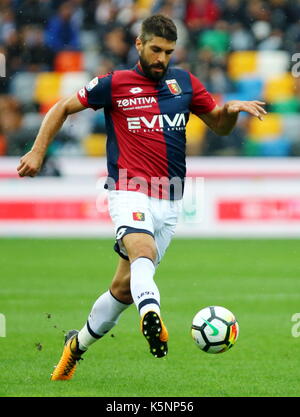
82,93
92,84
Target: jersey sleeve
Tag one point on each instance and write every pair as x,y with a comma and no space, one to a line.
202,102
97,93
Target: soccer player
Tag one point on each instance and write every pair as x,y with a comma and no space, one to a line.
146,112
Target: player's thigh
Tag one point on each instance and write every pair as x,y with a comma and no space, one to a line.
140,245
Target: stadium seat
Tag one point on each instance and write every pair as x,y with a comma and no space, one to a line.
279,88
270,128
144,4
272,63
251,148
91,60
71,82
89,40
95,144
217,41
46,106
250,87
195,130
236,96
289,106
276,148
23,86
241,64
68,61
291,127
280,147
47,88
32,120
98,121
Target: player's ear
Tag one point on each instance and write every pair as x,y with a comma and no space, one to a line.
138,44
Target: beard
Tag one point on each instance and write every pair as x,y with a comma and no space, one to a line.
149,69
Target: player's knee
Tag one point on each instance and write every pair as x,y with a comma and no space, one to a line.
143,252
121,293
120,288
140,245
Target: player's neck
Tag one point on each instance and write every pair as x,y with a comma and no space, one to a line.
139,69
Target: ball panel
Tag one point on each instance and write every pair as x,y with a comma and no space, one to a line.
215,330
205,313
234,333
217,349
224,314
198,339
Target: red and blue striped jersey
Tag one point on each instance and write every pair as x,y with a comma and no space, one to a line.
146,125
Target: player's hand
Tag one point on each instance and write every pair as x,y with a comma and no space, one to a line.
252,107
30,164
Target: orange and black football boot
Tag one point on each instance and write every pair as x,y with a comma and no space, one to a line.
66,367
155,333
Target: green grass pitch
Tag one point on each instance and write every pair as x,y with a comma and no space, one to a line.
49,285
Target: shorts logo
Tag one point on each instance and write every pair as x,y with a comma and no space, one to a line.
138,216
121,233
92,84
173,87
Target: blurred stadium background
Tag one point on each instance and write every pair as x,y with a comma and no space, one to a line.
239,49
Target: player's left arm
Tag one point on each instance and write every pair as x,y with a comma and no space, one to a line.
223,119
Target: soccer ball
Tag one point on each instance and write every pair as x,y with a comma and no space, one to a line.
215,329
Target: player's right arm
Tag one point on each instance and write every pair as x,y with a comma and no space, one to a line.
31,162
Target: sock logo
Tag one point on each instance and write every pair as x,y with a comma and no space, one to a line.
145,293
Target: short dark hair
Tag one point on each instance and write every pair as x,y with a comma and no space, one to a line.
158,25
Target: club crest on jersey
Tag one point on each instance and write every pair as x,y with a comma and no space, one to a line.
174,87
138,216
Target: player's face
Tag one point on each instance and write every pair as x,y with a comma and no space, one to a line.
155,56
